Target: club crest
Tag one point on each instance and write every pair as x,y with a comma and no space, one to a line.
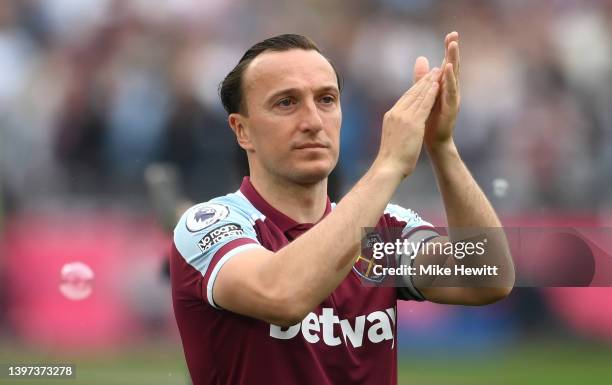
364,265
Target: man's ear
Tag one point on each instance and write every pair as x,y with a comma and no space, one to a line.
239,125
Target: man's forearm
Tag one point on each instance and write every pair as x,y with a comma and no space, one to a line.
316,262
470,216
282,287
464,202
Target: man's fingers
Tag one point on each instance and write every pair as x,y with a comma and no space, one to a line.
432,83
453,56
410,96
421,68
432,77
450,84
423,109
451,51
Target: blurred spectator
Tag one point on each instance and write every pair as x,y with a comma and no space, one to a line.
94,92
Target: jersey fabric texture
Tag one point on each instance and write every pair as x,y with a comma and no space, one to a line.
350,338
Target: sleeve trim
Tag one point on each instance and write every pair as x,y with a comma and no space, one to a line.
411,288
419,234
213,275
409,232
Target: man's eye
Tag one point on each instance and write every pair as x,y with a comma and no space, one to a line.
286,102
328,99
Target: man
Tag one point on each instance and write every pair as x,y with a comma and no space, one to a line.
264,285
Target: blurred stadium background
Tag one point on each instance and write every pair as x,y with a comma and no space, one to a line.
93,93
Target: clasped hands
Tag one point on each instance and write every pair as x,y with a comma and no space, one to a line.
426,113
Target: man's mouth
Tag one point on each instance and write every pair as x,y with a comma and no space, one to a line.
308,145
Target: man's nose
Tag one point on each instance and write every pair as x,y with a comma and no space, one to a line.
310,117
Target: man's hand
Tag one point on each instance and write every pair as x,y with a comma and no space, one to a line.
439,128
404,125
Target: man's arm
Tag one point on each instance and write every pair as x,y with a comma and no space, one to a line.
469,214
466,206
282,287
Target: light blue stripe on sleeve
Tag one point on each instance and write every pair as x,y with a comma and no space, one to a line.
416,231
411,218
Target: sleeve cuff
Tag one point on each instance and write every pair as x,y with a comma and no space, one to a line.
224,254
415,235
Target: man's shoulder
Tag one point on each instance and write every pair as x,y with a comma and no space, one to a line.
233,207
207,227
206,236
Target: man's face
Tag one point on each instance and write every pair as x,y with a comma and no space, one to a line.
294,117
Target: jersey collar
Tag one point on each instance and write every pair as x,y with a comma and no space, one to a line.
282,221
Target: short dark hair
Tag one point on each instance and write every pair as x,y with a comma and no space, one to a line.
231,90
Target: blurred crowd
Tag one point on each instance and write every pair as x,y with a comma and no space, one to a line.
93,92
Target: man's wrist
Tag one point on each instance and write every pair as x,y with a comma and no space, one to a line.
383,172
441,150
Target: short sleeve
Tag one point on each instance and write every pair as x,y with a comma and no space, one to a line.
210,234
415,230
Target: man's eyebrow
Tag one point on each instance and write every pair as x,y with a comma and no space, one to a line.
332,89
285,91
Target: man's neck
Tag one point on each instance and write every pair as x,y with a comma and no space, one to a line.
304,203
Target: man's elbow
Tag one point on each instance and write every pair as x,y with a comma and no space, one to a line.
502,286
286,310
505,284
493,294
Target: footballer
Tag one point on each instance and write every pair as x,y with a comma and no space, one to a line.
265,280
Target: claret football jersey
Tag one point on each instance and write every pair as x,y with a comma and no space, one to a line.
350,338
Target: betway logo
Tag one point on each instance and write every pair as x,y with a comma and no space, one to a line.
380,326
